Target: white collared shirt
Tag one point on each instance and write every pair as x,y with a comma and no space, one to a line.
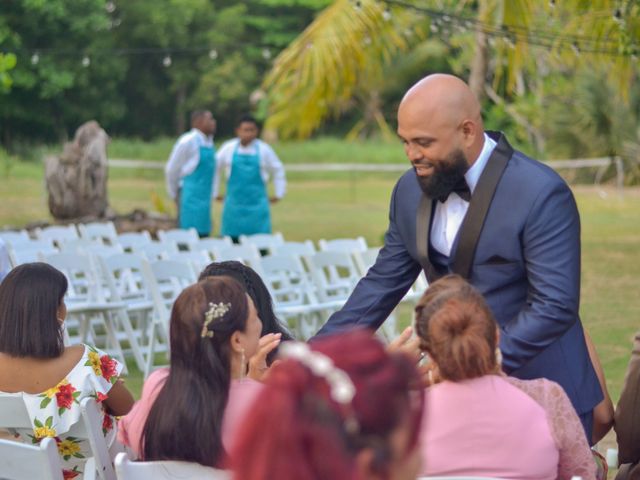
449,215
184,159
270,164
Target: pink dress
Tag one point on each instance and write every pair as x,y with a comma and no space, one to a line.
241,396
503,427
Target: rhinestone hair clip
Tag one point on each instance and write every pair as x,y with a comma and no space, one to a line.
216,310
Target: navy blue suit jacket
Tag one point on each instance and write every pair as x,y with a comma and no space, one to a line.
526,264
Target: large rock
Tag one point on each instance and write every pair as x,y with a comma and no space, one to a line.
77,180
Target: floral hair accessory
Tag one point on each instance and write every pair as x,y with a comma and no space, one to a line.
216,310
341,387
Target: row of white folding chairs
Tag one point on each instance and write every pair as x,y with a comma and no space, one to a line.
21,461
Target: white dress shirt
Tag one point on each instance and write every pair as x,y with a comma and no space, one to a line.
270,164
449,215
184,159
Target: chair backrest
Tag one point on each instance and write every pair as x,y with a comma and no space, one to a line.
210,244
58,233
348,245
91,428
12,237
13,414
263,241
287,280
185,238
32,251
247,254
130,239
295,248
19,461
334,274
78,245
82,274
365,260
197,259
99,231
156,250
166,470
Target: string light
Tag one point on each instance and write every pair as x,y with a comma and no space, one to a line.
266,53
110,7
166,61
86,61
35,58
386,14
213,54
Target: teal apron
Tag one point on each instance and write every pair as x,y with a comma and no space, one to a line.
195,195
246,206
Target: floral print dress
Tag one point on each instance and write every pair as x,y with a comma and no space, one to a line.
55,411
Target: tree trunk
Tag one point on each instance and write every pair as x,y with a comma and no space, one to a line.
480,62
181,96
77,180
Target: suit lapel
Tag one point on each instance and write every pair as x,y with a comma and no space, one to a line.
423,224
479,206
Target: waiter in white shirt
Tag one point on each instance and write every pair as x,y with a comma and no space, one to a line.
248,163
190,173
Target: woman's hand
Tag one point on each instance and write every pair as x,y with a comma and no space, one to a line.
407,345
258,362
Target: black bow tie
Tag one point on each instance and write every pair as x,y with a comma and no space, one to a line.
461,188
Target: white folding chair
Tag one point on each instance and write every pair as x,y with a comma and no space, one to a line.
247,254
105,232
297,249
166,470
57,233
14,415
12,237
358,244
211,244
88,301
156,250
32,251
166,279
263,241
78,245
197,259
125,276
334,273
27,462
185,238
129,240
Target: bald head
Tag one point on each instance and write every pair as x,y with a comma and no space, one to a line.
443,98
438,117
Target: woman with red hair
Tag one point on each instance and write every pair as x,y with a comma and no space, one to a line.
339,409
477,421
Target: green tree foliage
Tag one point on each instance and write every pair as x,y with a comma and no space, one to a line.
148,62
51,93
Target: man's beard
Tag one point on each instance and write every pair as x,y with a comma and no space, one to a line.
446,174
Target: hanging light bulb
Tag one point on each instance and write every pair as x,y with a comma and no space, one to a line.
213,54
433,27
86,61
35,58
110,7
552,3
166,61
617,16
386,14
266,53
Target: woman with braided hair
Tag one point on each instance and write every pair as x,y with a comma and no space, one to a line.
341,408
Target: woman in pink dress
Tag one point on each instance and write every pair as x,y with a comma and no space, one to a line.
477,421
191,411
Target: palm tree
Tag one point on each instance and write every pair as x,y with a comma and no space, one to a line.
341,55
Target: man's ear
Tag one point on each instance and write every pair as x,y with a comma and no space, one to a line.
236,342
469,131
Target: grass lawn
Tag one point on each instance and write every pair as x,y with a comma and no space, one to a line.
346,205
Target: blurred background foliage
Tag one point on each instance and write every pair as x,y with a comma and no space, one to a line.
560,78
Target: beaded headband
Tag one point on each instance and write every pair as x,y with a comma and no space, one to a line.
341,387
216,310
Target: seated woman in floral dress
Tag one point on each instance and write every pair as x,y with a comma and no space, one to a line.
50,378
479,422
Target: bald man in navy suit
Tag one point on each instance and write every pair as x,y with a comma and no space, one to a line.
509,224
